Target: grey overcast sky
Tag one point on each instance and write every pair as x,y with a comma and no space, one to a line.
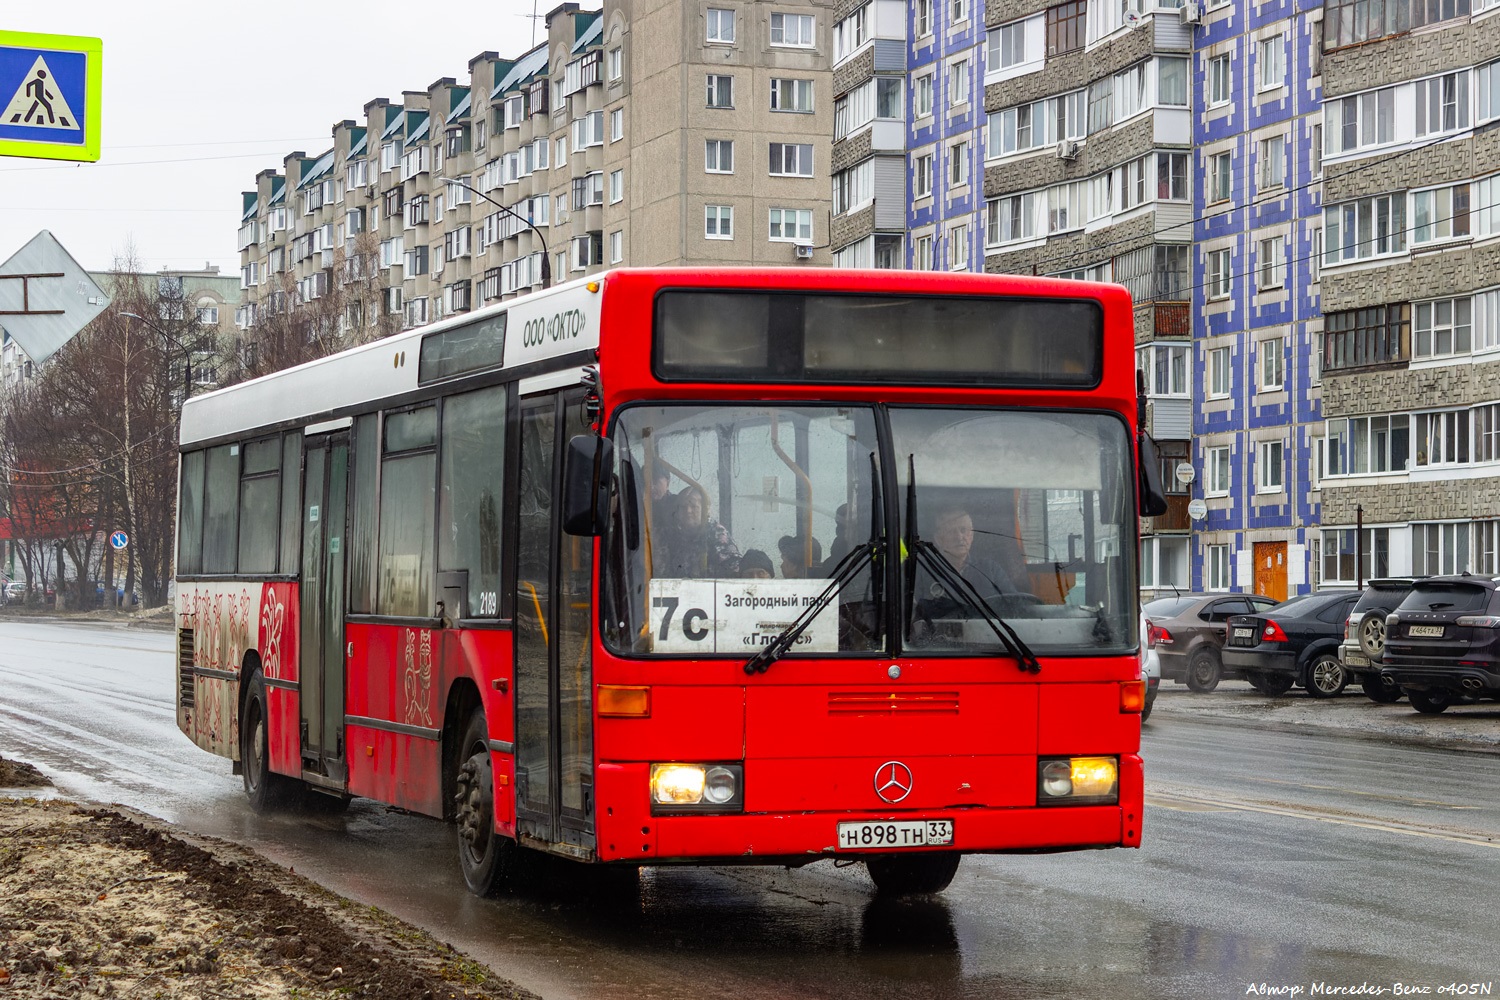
201,95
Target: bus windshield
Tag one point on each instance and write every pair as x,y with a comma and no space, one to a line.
1026,511
731,520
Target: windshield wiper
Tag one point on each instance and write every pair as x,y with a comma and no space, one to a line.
844,572
919,549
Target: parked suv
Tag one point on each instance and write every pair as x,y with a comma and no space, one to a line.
1364,635
1188,632
1442,642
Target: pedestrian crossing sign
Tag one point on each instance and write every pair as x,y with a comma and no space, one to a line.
49,95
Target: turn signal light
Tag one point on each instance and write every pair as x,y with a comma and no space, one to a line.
619,701
1272,632
1132,696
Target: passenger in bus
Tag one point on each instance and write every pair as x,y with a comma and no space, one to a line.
842,542
693,544
756,565
794,557
953,535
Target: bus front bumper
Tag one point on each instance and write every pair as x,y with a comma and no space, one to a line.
629,831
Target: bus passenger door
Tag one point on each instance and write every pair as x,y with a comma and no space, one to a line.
324,501
554,615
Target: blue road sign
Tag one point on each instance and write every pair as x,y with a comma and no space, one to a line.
119,539
49,95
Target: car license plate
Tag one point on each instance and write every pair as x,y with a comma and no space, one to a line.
884,836
1352,659
1426,631
1243,633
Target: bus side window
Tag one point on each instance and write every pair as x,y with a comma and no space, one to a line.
190,515
471,501
221,509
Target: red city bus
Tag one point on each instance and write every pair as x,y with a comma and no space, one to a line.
689,566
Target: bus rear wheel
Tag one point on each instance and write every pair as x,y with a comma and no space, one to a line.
267,790
913,874
484,855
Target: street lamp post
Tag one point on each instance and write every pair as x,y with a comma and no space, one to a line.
546,256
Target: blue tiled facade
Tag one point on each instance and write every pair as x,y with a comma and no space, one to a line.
1257,321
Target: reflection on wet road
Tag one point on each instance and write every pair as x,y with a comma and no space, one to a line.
1276,858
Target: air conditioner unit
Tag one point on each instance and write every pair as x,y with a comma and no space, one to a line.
1190,13
1067,149
804,252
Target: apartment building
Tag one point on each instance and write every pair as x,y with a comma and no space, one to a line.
1411,340
644,132
1258,326
1087,163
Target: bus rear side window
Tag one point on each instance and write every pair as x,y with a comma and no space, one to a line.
260,490
221,509
190,515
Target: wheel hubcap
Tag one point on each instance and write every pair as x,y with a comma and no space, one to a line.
1375,633
1327,675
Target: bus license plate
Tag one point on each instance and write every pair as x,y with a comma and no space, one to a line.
884,836
1426,631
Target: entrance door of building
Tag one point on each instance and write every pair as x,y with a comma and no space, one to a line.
1270,569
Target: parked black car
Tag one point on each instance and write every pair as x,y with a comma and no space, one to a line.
1442,643
1296,642
1364,635
1188,632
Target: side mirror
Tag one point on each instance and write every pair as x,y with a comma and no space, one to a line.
1153,499
587,470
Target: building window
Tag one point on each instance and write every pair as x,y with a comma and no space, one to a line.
1487,547
614,64
922,95
1220,176
1065,27
1219,373
922,182
1443,328
922,18
1270,460
1361,445
1359,122
1216,471
718,222
1368,227
1171,81
1442,438
718,156
1166,366
922,254
854,188
1164,562
1008,46
851,33
792,95
791,225
1339,554
792,29
1219,275
958,248
1272,163
720,91
1348,22
1172,176
959,12
1216,567
616,186
617,125
958,82
1439,549
1440,214
791,159
1272,355
1010,219
1272,270
720,25
616,247
958,164
1219,82
1272,62
1358,337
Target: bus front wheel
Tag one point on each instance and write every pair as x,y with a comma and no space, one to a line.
484,855
266,789
913,874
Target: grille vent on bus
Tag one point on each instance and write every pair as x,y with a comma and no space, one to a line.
185,666
893,703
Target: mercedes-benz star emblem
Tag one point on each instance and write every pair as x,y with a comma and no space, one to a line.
893,781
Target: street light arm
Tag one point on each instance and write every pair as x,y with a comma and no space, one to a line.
546,255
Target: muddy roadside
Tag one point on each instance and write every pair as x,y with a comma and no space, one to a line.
107,902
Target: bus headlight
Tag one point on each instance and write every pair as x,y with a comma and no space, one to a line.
697,787
1078,781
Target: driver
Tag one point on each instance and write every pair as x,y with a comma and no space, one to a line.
953,536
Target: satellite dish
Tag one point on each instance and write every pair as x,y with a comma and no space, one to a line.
1197,510
1132,18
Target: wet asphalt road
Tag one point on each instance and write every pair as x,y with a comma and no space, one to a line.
1276,858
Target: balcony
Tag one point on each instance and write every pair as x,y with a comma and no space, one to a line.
1170,319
